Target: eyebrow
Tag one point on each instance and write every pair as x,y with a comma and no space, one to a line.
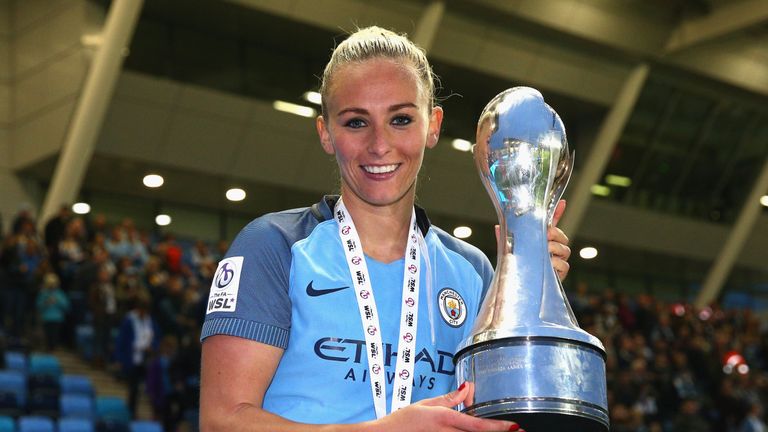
365,111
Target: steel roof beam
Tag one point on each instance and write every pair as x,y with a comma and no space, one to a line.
724,21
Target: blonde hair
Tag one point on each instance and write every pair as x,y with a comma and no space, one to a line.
376,42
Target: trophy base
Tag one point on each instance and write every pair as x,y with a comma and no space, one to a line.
540,382
547,422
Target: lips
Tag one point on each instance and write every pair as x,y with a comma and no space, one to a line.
380,169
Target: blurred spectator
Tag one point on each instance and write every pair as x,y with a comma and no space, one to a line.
136,339
689,419
14,283
165,384
54,233
52,305
103,306
752,421
71,252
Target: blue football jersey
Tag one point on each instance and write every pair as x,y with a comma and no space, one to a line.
285,282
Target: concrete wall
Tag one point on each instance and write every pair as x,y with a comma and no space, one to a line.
42,67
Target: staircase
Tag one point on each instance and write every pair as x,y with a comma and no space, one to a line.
104,382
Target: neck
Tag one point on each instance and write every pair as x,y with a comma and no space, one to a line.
383,230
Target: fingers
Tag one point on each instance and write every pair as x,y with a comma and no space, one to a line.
559,210
468,423
469,400
555,234
561,267
448,400
559,251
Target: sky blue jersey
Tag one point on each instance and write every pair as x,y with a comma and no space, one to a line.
285,282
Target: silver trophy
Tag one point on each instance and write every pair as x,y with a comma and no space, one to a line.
527,356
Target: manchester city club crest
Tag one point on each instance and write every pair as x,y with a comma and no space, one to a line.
452,307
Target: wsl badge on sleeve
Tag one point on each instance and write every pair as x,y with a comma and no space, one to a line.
226,283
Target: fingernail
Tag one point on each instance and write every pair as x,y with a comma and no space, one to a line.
515,427
461,387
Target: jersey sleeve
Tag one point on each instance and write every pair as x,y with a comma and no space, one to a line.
249,293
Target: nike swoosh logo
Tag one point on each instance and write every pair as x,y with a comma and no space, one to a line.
312,292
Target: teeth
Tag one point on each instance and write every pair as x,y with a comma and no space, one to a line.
380,169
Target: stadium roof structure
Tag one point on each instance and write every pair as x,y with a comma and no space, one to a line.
665,103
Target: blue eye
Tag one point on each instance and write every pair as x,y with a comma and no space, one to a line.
355,123
401,120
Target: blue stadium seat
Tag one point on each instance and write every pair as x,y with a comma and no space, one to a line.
112,408
76,384
76,425
36,424
14,382
44,364
146,426
76,405
7,424
16,360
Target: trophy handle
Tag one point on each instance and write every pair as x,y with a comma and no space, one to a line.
562,177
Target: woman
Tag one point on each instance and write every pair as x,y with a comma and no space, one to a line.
293,337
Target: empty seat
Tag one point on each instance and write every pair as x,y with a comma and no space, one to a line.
44,364
76,405
7,424
14,382
76,384
36,424
112,408
16,360
9,405
43,404
112,426
76,425
43,383
146,426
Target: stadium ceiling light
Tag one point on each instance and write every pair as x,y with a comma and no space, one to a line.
764,200
600,190
81,208
163,219
235,194
293,108
617,180
461,145
462,232
153,180
313,97
588,252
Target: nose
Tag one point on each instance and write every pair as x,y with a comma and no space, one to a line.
379,143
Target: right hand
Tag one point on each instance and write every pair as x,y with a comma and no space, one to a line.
437,414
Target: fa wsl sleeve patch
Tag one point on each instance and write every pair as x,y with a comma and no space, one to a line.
226,283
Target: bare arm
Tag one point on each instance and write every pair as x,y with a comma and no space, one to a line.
236,373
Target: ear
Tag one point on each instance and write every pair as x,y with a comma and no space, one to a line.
435,121
325,135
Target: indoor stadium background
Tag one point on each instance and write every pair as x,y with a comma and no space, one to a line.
665,103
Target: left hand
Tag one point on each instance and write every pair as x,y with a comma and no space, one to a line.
559,251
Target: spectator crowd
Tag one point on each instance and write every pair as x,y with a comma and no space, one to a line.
671,367
142,296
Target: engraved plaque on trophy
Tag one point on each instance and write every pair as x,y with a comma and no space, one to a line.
527,357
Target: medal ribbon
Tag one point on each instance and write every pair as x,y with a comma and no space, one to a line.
369,316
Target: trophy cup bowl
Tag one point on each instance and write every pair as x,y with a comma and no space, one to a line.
526,357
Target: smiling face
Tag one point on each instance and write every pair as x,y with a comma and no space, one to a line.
378,123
